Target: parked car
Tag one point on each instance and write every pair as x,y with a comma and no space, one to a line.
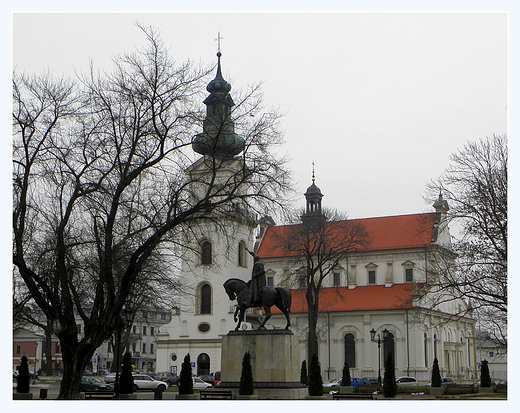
333,383
210,379
170,378
356,381
198,383
371,380
110,378
407,381
91,383
477,384
444,382
145,382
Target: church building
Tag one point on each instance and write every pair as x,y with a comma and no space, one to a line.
370,304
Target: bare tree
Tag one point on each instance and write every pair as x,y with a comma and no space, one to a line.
317,249
475,187
101,187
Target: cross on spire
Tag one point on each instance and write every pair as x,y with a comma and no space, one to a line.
313,178
218,39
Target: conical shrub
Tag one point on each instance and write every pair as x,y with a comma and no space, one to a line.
185,379
436,374
315,380
485,378
246,379
23,380
126,381
304,379
389,384
345,377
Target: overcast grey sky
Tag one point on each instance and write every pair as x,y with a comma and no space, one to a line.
378,101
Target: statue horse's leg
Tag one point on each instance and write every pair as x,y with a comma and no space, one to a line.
267,317
280,304
241,310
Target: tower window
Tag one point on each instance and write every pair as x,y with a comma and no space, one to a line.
205,299
206,253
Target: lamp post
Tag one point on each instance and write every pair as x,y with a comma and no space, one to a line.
378,341
123,323
35,354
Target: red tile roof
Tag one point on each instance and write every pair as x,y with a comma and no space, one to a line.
365,298
385,233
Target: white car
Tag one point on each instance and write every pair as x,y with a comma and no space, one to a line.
145,382
407,381
198,383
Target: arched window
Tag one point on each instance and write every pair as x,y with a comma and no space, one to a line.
350,350
435,346
205,299
203,363
242,254
206,253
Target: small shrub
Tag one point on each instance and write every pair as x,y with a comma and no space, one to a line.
126,381
345,377
23,380
185,379
246,379
436,374
389,384
315,380
485,378
304,379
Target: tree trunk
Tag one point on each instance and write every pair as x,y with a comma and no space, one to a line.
312,338
77,356
48,348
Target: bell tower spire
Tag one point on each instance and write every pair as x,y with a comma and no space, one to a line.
218,137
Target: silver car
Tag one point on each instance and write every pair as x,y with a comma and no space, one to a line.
145,382
407,381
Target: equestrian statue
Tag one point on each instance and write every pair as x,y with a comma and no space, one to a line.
255,293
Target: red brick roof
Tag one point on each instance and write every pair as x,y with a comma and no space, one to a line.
386,233
365,298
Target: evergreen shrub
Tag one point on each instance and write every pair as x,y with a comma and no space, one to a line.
345,377
126,380
389,384
23,380
185,379
315,380
304,379
485,378
436,374
246,379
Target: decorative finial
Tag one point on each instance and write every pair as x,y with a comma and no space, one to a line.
218,40
313,178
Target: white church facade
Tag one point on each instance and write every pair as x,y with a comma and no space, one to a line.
375,288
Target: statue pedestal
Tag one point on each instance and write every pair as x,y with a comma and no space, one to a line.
275,362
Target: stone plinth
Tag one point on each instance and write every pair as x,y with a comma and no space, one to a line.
275,361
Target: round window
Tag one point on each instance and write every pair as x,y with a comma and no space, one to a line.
174,357
203,327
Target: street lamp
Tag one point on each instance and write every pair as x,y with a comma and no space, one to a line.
123,323
35,354
378,341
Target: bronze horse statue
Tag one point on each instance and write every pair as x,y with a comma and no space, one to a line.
269,296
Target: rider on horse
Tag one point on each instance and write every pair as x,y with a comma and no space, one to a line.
258,281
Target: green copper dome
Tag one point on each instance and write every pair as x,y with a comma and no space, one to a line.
218,137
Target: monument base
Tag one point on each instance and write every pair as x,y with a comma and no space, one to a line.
275,363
